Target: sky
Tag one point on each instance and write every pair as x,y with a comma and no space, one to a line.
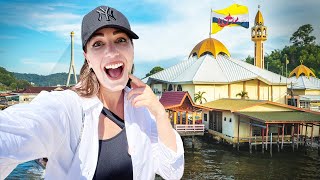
35,35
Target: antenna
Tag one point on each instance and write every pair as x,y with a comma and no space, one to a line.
72,66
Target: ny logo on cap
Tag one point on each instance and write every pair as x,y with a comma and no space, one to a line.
107,12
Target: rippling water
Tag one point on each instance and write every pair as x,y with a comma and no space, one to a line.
208,160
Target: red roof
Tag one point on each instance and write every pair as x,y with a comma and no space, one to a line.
37,90
172,98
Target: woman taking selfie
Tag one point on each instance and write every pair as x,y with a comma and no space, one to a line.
109,126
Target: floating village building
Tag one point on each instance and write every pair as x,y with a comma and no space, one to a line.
260,112
304,91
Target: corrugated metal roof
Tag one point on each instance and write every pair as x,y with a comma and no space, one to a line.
209,70
303,82
285,116
232,104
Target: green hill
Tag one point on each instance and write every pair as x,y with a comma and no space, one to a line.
9,82
48,80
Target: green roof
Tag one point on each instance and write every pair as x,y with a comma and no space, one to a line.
283,116
231,104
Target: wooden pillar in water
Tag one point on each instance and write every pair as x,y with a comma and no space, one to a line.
278,140
298,136
271,144
319,140
282,138
305,135
255,142
262,140
250,136
292,137
311,135
267,132
238,139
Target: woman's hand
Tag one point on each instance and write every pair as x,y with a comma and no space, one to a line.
141,95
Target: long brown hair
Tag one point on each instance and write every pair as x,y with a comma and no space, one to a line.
88,85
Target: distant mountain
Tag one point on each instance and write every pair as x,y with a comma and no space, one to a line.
9,82
48,80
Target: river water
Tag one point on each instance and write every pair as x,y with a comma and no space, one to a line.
209,160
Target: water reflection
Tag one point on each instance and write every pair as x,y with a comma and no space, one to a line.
209,160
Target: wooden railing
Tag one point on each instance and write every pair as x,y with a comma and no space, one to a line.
189,130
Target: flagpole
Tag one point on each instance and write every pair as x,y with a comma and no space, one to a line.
286,72
210,22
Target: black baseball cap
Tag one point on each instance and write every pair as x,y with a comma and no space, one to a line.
104,16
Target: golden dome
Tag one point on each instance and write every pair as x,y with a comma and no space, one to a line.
302,69
209,45
259,19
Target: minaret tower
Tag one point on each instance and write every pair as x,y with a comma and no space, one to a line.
72,62
258,35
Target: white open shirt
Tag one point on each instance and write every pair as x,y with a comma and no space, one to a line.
50,127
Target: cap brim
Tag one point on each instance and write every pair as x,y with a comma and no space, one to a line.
130,33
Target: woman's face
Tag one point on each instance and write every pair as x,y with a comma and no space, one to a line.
110,54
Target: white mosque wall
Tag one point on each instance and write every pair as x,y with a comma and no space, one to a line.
213,91
264,91
279,93
190,88
252,88
235,89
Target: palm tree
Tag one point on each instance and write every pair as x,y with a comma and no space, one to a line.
199,97
243,94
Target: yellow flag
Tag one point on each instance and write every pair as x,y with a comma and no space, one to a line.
234,15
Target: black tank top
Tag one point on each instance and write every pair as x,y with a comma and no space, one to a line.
114,162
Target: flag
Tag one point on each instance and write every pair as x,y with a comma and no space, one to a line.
234,15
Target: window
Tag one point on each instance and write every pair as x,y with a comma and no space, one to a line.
179,88
170,88
225,119
230,120
205,117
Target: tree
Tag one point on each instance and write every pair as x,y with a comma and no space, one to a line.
243,94
199,97
154,70
249,60
302,36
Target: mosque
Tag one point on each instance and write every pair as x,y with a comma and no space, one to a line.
261,109
211,69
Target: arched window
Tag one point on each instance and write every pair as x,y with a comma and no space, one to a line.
179,88
259,32
253,32
170,88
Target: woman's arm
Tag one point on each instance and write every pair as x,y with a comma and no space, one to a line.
167,146
31,131
141,95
